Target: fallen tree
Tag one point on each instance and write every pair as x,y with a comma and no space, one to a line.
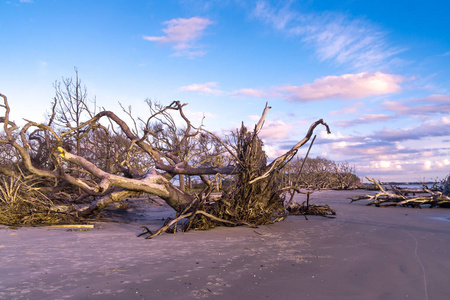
90,181
405,197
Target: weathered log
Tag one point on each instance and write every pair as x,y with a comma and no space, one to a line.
399,197
252,199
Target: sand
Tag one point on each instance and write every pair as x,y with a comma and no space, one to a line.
364,253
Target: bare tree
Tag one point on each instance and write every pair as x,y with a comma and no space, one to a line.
71,106
255,197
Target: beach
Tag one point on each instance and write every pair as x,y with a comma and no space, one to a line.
364,253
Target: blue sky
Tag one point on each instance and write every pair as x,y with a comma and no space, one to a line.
378,72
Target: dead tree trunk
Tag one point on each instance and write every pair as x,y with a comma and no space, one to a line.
254,198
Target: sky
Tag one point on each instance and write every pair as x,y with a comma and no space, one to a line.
378,72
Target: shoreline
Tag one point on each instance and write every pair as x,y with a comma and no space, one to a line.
364,253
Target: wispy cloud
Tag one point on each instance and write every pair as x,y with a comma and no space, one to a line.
433,104
183,35
199,116
206,88
365,119
354,108
276,130
278,17
249,93
335,37
425,130
347,87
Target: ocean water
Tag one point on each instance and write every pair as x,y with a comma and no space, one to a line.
408,186
411,186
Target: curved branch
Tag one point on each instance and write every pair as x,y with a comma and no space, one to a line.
153,183
279,161
5,120
185,169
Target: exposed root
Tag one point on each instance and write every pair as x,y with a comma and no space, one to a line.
22,203
312,210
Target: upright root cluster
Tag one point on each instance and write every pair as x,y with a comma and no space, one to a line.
243,202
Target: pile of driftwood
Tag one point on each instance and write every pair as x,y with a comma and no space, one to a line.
294,208
405,197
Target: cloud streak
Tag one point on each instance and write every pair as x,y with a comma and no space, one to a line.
276,130
425,130
205,88
183,35
433,104
246,92
347,87
365,119
335,37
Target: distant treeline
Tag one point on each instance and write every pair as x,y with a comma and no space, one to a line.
319,172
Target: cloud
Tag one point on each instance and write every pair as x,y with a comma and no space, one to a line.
435,104
443,163
199,116
365,119
275,130
183,34
335,37
348,86
249,93
278,18
436,98
425,130
207,88
273,152
342,40
348,109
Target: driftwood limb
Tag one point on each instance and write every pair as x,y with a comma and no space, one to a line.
281,160
305,209
120,161
399,197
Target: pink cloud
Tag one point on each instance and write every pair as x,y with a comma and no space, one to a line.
365,119
348,86
348,109
183,33
276,130
249,93
437,98
433,104
202,88
396,106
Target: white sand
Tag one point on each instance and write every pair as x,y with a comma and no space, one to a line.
365,253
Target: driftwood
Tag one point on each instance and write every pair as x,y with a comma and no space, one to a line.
405,197
306,208
254,196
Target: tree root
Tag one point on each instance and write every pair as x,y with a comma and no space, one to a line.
311,210
171,224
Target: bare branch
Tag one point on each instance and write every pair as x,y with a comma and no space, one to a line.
263,118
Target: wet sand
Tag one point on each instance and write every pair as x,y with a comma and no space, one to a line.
364,253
